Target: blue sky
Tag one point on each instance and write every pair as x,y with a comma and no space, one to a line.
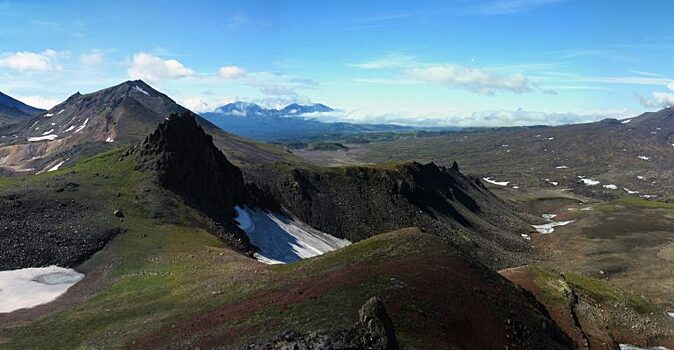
483,62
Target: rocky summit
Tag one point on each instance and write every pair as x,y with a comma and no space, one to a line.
187,162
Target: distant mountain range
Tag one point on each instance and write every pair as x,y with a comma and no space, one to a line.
13,110
247,109
293,122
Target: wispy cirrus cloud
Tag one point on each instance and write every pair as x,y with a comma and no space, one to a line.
503,7
630,80
388,61
646,74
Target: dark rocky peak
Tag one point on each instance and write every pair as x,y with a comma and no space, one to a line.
610,121
455,166
374,331
187,162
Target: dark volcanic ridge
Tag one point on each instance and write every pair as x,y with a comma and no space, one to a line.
358,202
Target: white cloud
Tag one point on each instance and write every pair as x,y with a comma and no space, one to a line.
153,69
231,72
25,61
90,59
196,104
473,79
671,85
495,118
658,100
521,117
203,105
39,101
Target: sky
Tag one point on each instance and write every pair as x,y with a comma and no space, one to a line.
432,63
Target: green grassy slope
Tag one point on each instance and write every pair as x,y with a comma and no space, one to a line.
166,282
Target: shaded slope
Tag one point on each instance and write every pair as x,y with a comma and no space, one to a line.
357,202
14,111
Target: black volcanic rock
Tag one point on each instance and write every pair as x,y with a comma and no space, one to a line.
374,331
51,225
187,163
375,328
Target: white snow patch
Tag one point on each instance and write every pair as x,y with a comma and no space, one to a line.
84,125
516,187
626,121
49,115
629,191
554,183
70,128
283,240
48,132
640,177
42,138
589,182
670,314
562,167
648,196
139,89
632,347
526,236
25,288
61,111
56,167
109,139
644,157
548,216
586,209
498,183
550,227
610,187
